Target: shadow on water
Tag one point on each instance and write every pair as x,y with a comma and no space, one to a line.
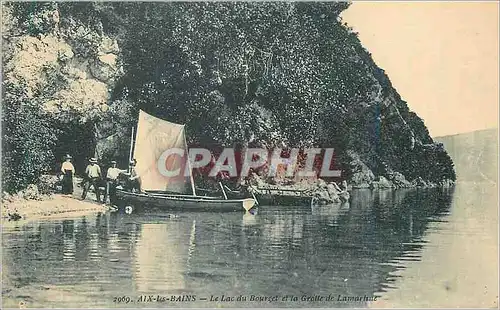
348,250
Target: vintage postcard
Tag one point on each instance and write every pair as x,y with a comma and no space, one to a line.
250,154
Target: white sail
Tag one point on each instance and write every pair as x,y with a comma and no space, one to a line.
154,137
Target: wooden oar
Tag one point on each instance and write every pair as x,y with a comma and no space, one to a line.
223,191
255,198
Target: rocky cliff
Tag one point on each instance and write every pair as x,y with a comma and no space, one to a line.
269,74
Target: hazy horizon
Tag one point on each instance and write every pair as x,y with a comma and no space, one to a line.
466,132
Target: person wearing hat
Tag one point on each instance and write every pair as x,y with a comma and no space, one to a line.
112,182
93,175
134,178
68,171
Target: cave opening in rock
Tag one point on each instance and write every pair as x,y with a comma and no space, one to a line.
77,140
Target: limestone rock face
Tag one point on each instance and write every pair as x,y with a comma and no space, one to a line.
382,183
399,180
32,61
65,53
104,68
420,182
323,192
51,67
108,46
362,176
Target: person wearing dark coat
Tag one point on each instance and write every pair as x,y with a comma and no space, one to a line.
68,171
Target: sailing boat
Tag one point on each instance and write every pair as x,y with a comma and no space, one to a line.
154,136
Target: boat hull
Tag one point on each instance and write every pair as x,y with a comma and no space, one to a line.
182,202
283,200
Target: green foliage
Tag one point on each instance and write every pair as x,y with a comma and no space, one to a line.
217,60
34,18
27,140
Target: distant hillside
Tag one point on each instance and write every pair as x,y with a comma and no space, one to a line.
475,154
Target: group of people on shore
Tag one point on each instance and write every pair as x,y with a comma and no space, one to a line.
94,178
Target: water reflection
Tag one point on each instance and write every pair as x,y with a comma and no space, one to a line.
69,246
349,249
330,214
249,219
161,256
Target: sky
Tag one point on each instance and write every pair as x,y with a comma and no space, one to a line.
442,58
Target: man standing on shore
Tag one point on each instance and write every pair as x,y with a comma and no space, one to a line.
93,175
112,182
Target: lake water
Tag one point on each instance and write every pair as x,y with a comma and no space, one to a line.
324,253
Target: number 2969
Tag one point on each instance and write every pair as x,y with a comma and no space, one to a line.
122,299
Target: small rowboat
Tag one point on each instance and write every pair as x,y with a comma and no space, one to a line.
282,197
169,201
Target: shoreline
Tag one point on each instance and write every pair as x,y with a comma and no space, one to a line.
53,206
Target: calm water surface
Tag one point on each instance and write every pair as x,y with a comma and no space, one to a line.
353,249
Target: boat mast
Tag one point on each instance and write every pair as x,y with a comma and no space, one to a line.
131,148
189,167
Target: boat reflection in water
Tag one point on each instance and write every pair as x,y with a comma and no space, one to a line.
249,219
162,254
